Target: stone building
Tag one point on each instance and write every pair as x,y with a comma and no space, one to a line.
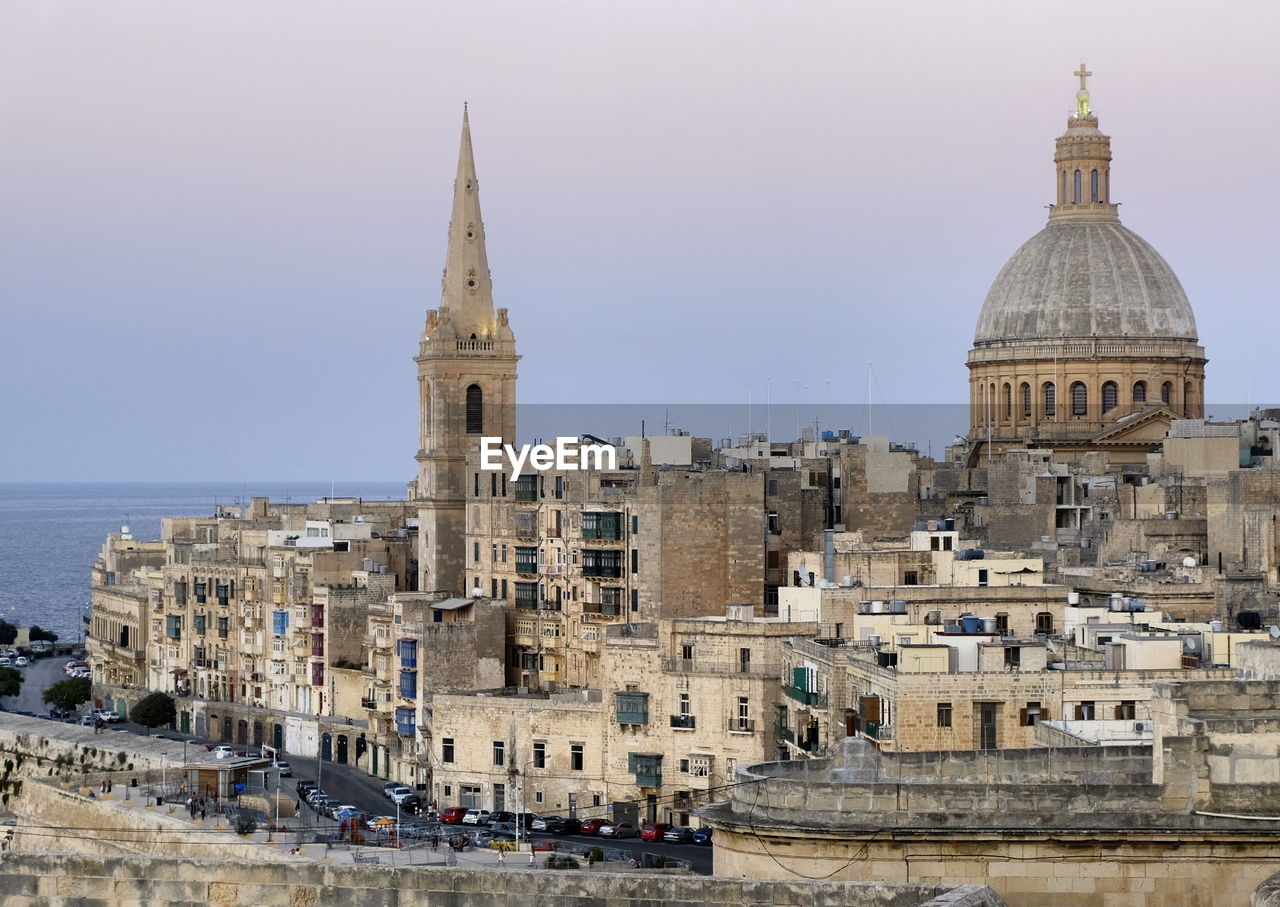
1086,340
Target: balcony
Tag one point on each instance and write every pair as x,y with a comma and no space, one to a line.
698,666
632,708
877,731
806,697
684,722
782,732
739,725
610,571
367,703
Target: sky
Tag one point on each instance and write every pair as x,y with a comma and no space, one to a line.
222,224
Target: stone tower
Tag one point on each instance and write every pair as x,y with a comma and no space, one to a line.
1086,340
466,384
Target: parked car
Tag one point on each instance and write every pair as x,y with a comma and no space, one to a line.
542,823
558,826
390,787
678,834
222,752
503,829
304,785
501,816
702,836
20,661
453,815
411,804
88,720
285,770
400,793
524,820
590,826
617,830
476,817
653,831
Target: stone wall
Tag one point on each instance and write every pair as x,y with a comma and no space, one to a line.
54,880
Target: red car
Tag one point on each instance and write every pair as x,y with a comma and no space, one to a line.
653,831
591,826
453,815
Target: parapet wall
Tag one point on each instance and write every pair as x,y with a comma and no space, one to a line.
61,880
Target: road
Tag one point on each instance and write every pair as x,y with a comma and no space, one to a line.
36,678
343,782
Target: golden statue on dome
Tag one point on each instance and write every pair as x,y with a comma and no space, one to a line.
1082,96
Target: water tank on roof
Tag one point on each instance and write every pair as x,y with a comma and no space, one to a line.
1215,626
877,607
1073,598
989,625
847,582
1117,602
971,624
1188,562
873,640
951,525
898,606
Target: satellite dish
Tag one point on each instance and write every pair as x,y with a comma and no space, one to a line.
1189,645
1275,632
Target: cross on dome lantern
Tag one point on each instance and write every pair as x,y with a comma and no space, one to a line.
1082,96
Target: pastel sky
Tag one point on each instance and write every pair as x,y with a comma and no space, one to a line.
222,223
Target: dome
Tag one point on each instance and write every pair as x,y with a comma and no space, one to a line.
1085,279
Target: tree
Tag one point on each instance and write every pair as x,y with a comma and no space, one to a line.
38,632
10,682
67,694
8,633
154,710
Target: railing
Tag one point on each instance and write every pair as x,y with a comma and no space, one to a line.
783,732
646,779
878,731
367,703
632,717
807,697
684,722
742,725
602,570
697,666
474,346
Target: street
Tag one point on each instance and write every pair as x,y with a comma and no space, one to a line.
37,677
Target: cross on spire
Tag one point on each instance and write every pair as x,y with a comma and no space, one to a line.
1083,74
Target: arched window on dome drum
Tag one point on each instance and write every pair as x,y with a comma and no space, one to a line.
991,403
1062,196
1008,403
1075,193
1166,393
1186,400
1026,400
1140,392
475,410
1079,399
1110,396
1093,185
1050,399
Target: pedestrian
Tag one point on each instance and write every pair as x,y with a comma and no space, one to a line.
591,858
531,857
435,841
204,812
110,785
502,856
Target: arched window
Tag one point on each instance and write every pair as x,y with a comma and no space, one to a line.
1079,399
1026,400
1186,399
1050,399
1093,185
1140,392
1110,396
1075,193
475,410
1062,196
1166,393
991,403
1008,402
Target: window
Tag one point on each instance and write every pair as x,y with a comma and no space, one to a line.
539,754
1044,623
1062,196
944,714
279,622
446,749
774,528
1140,392
1002,623
200,621
1079,399
1013,656
1075,188
1026,400
475,410
575,757
686,652
1166,393
1008,402
1093,185
684,704
475,552
537,796
1110,396
911,578
1126,709
1085,711
1030,715
1050,399
635,525
224,629
635,560
179,593
635,600
499,752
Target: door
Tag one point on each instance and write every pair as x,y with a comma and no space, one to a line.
987,726
186,723
373,760
342,749
326,747
499,798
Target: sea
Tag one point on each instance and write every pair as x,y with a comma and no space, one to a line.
51,533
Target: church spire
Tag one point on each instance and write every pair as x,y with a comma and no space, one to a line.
466,288
1083,163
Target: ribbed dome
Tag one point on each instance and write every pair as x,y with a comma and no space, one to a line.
1084,279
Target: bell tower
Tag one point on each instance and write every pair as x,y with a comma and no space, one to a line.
466,384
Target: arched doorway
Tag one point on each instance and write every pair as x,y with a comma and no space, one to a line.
226,729
242,731
342,749
326,747
257,733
